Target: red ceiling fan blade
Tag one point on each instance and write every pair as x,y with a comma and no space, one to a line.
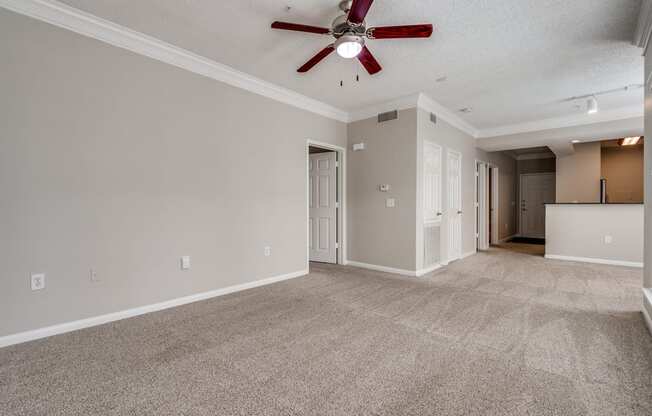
369,62
317,58
359,10
300,28
400,32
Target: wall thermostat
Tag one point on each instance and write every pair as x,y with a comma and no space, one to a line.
383,188
358,146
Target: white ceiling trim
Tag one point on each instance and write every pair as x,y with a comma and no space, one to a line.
403,103
86,24
428,104
421,101
64,16
644,26
561,122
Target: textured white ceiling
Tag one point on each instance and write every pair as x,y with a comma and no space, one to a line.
511,61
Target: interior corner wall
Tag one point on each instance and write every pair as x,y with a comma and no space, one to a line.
507,192
647,275
578,174
119,163
378,235
451,138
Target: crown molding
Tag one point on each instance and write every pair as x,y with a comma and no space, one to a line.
403,103
428,104
421,101
561,122
70,18
64,16
644,26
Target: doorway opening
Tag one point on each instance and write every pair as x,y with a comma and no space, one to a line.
325,225
486,205
536,190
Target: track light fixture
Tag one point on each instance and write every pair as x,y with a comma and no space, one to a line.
592,105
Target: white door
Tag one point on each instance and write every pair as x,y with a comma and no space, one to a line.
536,191
482,206
431,183
454,208
322,218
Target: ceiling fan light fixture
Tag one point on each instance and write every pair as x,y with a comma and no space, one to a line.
349,46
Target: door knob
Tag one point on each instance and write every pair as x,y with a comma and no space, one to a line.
459,212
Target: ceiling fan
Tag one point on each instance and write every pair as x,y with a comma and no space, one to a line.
350,31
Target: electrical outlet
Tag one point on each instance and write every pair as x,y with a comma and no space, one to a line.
93,276
185,263
38,281
268,251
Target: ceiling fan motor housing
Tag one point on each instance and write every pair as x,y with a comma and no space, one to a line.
342,26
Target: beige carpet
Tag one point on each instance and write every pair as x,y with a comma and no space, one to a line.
500,333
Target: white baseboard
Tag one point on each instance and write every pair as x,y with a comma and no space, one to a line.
463,256
427,270
470,253
506,239
647,299
141,310
385,269
594,260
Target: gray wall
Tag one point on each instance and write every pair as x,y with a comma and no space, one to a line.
647,276
113,161
378,235
579,230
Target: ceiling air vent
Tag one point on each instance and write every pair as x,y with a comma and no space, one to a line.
433,118
390,115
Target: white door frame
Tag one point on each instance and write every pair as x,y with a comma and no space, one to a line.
495,202
520,195
481,204
450,258
341,198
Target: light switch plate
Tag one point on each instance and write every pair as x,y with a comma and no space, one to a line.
390,203
185,263
38,281
268,251
608,239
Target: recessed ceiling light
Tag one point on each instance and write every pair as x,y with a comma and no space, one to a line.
629,141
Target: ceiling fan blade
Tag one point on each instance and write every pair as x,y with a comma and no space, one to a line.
400,32
369,62
359,10
317,58
300,28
